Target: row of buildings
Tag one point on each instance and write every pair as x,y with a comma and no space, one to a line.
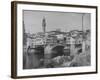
57,37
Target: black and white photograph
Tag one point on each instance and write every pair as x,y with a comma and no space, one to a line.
53,39
56,39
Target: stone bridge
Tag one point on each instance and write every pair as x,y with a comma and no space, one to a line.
54,50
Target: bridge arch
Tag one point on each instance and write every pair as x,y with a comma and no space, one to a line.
53,51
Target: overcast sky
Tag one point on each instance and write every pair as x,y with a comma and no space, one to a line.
55,20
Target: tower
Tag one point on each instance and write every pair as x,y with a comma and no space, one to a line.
44,25
24,35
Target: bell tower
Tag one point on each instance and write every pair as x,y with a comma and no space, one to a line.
44,24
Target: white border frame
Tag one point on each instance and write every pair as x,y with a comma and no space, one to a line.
46,71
